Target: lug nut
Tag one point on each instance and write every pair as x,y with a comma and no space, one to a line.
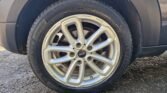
72,54
89,58
79,62
78,45
90,48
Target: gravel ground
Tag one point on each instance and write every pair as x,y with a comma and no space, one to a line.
146,75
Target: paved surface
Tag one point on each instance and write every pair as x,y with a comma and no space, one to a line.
146,75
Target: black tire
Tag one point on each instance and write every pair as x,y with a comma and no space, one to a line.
66,8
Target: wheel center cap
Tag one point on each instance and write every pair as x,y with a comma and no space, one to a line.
82,53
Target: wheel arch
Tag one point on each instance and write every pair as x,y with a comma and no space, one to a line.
31,10
129,12
144,20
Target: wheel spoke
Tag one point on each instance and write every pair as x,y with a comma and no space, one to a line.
81,72
79,26
67,33
102,59
59,49
95,68
60,60
102,45
96,35
70,70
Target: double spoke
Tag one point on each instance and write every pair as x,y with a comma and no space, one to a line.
71,70
81,72
102,59
79,26
95,68
102,45
81,36
66,32
96,35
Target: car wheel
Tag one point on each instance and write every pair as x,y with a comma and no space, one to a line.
79,46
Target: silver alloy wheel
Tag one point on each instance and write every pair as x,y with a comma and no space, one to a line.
77,57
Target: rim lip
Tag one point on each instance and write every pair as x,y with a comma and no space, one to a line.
94,19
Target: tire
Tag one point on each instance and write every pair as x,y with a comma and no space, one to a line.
63,9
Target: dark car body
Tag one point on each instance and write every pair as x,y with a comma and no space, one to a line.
147,20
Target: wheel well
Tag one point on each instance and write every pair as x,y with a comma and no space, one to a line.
128,11
26,18
34,7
